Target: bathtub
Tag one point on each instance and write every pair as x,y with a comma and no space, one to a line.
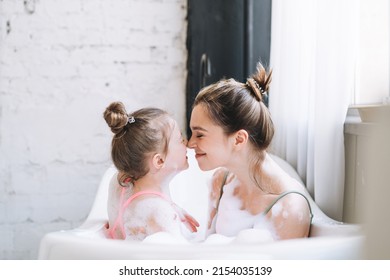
329,239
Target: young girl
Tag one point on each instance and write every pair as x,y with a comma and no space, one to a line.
148,150
232,128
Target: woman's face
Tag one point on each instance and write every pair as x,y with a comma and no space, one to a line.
177,150
212,147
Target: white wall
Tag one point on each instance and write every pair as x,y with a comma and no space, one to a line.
61,64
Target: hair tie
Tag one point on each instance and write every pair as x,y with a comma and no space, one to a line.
258,91
127,180
131,119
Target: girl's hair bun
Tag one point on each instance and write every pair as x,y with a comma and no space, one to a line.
116,117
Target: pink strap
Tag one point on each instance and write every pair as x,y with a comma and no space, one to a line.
119,219
134,196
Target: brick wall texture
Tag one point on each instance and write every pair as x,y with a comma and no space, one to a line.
61,63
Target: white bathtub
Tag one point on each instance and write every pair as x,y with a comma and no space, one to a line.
329,239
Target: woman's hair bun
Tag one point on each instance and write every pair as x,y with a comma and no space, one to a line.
259,82
116,117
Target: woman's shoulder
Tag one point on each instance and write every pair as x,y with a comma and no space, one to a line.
291,214
293,199
222,176
292,196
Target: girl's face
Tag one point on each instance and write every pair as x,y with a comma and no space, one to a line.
212,147
177,150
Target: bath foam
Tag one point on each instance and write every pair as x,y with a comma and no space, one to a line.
232,220
246,236
150,214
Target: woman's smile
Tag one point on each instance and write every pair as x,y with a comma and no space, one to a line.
199,155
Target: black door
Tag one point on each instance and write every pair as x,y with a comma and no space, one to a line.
225,39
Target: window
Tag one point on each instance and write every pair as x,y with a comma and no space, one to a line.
373,67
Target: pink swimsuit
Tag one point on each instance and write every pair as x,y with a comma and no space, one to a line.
119,219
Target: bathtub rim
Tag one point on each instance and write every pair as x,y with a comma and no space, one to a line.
77,244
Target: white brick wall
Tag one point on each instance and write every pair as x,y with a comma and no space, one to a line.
61,63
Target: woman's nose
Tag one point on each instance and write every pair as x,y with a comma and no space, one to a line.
191,143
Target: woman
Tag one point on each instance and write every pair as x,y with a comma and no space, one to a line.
232,129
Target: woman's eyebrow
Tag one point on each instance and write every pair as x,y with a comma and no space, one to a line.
198,128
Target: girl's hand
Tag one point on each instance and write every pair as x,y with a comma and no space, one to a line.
190,222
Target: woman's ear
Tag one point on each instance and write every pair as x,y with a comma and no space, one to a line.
158,161
240,138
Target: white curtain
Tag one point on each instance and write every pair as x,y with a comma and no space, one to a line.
314,46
